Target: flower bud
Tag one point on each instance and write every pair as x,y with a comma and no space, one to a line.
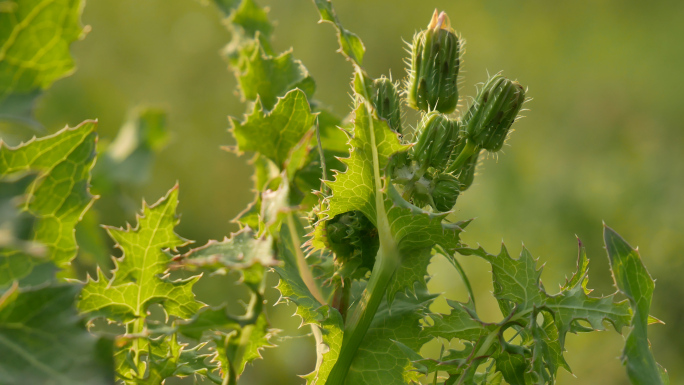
387,102
353,239
435,61
445,191
491,116
437,137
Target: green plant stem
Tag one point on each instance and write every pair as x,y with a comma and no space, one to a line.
253,311
231,376
340,300
302,266
363,315
461,272
324,187
441,354
346,295
307,277
386,263
469,150
138,327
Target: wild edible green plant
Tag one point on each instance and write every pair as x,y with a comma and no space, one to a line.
348,212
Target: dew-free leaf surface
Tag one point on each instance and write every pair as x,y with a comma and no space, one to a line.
35,36
634,281
59,194
276,133
140,278
44,341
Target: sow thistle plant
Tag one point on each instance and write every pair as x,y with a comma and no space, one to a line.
349,212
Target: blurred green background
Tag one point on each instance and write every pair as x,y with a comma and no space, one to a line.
604,139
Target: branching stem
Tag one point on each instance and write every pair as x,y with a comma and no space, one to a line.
469,150
386,263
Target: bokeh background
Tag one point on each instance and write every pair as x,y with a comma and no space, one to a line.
603,140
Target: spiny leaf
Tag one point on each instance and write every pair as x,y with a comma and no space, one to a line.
43,341
246,22
242,250
416,230
269,77
239,339
411,272
246,15
634,281
140,278
571,305
521,297
324,319
251,18
276,133
208,319
191,361
59,195
354,189
518,288
34,52
547,352
513,367
379,359
516,281
461,323
238,349
581,276
166,357
350,44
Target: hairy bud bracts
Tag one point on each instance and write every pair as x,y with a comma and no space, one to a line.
497,106
435,62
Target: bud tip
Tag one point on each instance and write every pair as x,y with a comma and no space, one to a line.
433,21
440,20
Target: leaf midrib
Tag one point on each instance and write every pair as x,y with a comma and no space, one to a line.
144,264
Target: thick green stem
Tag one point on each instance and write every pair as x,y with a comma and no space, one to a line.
363,315
386,263
469,150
